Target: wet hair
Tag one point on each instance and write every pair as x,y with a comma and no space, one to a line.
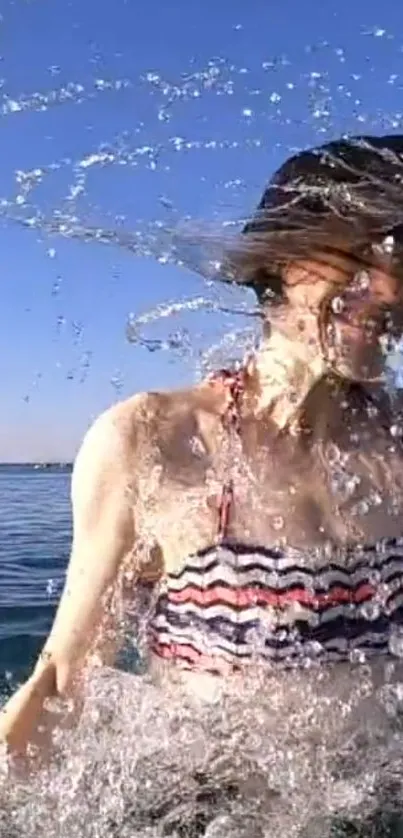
341,197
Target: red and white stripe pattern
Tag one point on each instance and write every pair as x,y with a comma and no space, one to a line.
234,604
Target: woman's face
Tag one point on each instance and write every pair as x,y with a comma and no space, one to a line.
359,305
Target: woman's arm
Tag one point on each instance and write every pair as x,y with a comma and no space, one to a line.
103,536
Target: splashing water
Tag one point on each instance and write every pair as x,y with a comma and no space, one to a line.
146,761
331,95
268,759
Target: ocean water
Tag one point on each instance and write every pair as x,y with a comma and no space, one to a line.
35,530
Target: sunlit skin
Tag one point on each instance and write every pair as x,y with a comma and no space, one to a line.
143,495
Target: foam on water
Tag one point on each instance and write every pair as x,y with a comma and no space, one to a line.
307,748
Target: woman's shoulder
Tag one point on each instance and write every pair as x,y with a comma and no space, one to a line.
122,427
149,409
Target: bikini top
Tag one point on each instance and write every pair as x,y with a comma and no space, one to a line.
233,604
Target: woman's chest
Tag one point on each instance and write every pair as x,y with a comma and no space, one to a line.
279,495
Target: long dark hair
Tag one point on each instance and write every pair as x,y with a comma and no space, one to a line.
341,197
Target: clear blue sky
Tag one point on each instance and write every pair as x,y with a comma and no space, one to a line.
278,75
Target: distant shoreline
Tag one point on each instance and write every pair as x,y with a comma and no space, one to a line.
39,465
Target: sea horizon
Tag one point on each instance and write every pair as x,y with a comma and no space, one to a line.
31,463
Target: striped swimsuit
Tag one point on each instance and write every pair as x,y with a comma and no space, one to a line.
234,604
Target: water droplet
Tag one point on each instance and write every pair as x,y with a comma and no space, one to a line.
51,587
376,499
55,290
388,245
256,637
372,411
226,826
337,305
362,280
361,508
278,522
350,484
396,641
117,380
313,648
357,656
197,446
374,577
371,610
77,329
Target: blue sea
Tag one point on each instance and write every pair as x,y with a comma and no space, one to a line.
35,532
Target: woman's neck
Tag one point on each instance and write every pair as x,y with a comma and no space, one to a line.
287,366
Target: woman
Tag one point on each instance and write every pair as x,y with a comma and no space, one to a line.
243,514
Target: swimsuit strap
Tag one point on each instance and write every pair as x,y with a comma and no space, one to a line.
234,381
